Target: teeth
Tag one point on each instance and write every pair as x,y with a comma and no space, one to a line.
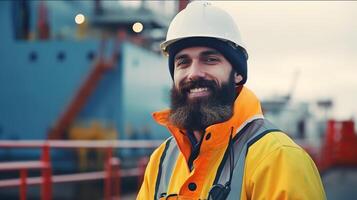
198,90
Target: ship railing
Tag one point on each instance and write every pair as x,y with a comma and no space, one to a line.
111,174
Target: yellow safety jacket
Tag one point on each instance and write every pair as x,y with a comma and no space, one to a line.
274,166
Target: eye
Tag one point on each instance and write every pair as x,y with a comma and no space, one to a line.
211,60
182,62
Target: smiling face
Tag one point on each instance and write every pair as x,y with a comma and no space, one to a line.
197,63
204,88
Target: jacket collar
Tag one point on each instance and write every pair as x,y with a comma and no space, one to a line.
246,108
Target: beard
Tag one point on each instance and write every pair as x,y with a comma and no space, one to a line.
199,113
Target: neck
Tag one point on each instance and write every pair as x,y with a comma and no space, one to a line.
198,135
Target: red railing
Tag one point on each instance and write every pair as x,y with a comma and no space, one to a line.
111,174
338,147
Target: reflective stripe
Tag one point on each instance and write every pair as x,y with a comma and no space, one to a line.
256,130
166,166
247,136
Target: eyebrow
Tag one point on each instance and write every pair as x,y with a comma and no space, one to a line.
210,52
181,56
204,53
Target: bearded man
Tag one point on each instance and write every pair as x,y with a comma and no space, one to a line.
221,145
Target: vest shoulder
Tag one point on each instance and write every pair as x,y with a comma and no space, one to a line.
277,158
157,153
269,143
272,141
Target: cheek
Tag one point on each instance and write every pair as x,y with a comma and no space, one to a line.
177,78
225,73
220,76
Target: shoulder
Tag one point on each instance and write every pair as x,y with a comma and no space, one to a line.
160,151
274,145
272,141
152,171
276,158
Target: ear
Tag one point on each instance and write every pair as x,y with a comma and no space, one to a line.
237,78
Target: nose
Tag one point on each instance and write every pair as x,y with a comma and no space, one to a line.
195,71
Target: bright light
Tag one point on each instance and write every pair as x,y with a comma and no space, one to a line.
79,19
138,27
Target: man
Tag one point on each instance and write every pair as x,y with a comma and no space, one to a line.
222,147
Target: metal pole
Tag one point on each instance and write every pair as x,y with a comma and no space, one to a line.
116,182
23,184
108,170
46,173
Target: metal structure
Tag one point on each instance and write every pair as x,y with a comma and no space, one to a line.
101,66
111,175
339,148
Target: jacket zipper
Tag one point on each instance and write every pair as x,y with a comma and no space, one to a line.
195,149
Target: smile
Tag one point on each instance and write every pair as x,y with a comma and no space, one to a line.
198,92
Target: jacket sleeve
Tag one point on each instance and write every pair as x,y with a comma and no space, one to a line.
286,173
147,189
144,189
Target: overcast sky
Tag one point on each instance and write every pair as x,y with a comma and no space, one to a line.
318,39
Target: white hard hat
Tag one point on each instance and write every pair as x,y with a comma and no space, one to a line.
202,19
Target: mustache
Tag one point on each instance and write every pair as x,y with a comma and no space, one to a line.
185,87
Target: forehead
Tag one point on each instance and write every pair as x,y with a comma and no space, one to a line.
197,51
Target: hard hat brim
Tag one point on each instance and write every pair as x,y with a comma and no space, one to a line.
166,44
